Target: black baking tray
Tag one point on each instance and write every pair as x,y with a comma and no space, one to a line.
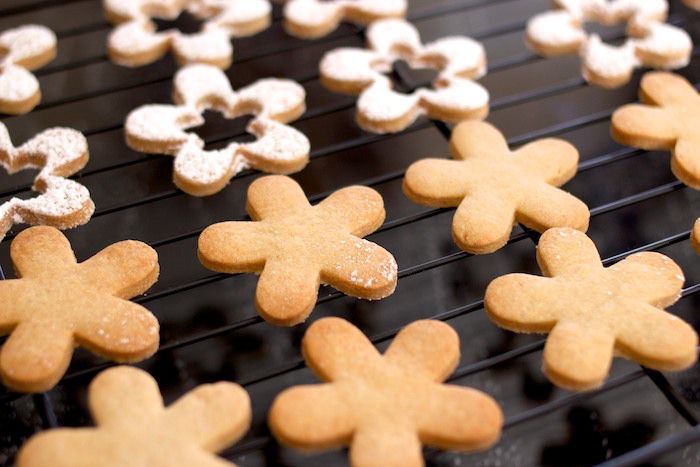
209,328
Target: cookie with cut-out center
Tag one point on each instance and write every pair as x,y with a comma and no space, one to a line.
311,19
56,304
279,148
62,203
651,42
668,119
22,50
593,313
384,407
135,429
295,246
380,109
135,41
494,187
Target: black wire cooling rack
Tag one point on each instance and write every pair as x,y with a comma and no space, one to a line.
209,328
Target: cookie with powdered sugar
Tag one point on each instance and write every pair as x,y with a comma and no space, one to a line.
62,203
380,109
279,148
651,42
23,49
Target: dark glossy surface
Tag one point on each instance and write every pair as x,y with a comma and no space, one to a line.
210,330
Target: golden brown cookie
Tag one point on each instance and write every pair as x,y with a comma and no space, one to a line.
22,50
57,304
295,246
592,313
134,428
384,406
668,119
311,19
62,203
494,187
695,236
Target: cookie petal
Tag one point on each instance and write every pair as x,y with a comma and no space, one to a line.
428,347
287,292
211,416
360,269
233,247
656,339
437,182
335,349
544,207
125,269
477,139
386,444
359,208
685,162
552,160
644,127
565,251
664,88
460,418
483,222
312,417
650,277
41,252
272,195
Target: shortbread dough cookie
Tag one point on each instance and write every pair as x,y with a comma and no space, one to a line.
311,19
695,236
651,42
57,304
380,109
23,50
62,203
494,187
160,129
668,119
135,429
384,406
593,313
136,42
295,246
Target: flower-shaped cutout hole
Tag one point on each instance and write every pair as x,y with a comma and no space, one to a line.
651,42
279,148
136,41
380,109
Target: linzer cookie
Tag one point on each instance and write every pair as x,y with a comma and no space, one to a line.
135,429
593,313
668,119
380,109
651,42
135,41
295,246
160,129
384,406
310,19
493,187
22,50
62,203
57,304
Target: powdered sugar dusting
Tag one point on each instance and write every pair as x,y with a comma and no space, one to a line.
30,46
64,203
136,41
654,43
314,13
388,40
159,128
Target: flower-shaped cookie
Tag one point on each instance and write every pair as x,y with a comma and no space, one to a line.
384,406
668,119
159,129
136,42
63,203
651,42
23,49
310,19
135,429
592,313
382,110
57,304
493,187
295,246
